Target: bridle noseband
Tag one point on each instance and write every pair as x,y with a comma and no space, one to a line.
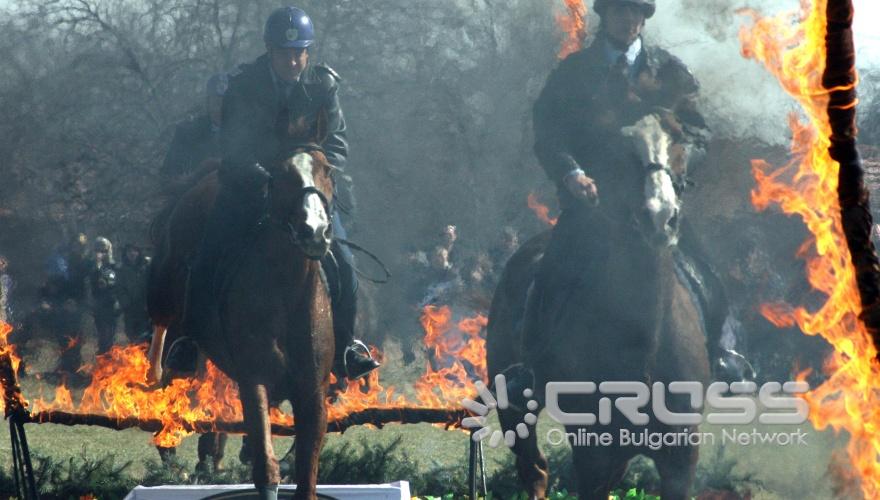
295,148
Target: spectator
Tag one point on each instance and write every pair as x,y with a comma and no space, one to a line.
131,288
102,294
76,266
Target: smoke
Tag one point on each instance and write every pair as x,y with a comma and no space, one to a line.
741,100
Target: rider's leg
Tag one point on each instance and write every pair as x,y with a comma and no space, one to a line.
726,355
352,359
557,271
239,203
552,273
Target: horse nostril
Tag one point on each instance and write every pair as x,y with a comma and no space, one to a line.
326,233
673,222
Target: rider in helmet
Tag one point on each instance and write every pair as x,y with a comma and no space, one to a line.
615,81
281,81
197,138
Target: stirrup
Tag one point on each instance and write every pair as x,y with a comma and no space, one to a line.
358,348
734,366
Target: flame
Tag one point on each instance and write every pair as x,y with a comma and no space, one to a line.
71,343
119,388
6,347
7,351
541,210
792,47
458,356
573,24
456,349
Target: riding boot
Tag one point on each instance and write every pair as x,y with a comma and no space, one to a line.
240,202
353,359
555,272
721,327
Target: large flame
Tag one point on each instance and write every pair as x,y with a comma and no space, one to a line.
7,352
119,387
792,47
457,357
573,25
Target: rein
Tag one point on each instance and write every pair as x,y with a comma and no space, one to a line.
372,256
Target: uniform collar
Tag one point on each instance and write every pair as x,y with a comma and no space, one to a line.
612,53
282,88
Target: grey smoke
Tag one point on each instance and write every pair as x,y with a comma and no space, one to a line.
741,99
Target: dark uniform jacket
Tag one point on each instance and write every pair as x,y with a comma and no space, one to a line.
254,111
586,101
195,140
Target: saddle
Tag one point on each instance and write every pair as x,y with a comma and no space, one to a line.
693,271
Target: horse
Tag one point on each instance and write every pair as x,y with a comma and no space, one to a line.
614,308
165,302
274,336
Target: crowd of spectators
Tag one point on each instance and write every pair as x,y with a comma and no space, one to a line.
88,295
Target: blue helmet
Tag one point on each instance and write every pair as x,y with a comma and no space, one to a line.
289,27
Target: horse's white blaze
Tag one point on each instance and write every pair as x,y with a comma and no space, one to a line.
662,203
316,216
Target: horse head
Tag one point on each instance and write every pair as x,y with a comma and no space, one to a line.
657,215
302,185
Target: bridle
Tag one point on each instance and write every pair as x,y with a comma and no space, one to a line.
295,148
307,147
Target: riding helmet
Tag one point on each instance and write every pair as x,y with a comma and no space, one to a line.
289,27
648,6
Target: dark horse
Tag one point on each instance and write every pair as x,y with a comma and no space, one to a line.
275,335
616,310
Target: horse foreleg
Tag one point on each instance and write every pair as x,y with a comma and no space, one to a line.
157,346
598,470
531,465
677,467
255,401
311,425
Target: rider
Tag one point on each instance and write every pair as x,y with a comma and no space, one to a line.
279,83
197,138
578,116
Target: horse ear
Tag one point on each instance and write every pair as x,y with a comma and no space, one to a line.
321,126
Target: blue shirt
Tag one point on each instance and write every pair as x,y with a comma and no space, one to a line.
613,54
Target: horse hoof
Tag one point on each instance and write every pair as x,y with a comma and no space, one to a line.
268,492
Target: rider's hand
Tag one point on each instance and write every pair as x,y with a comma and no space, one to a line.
580,186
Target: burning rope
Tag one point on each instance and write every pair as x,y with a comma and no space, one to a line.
118,397
378,417
840,79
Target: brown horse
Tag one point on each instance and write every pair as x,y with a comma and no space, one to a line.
610,307
275,332
165,302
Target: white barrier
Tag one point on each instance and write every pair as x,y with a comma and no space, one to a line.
398,490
